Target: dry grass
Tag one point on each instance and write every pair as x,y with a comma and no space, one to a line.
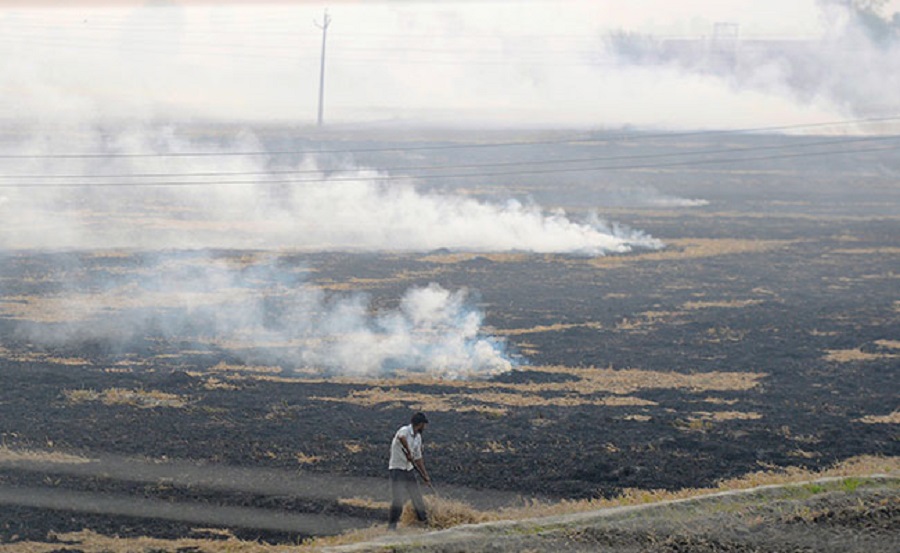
601,387
647,319
143,399
353,447
213,383
695,248
569,400
251,342
373,397
8,455
35,357
459,257
854,355
542,328
222,366
355,283
305,459
91,542
347,538
75,307
528,349
365,503
485,402
733,304
893,418
445,513
69,361
720,401
627,381
885,251
498,447
720,416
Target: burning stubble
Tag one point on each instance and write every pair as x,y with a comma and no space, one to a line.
272,308
140,193
196,204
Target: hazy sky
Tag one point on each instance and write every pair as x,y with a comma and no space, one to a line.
488,61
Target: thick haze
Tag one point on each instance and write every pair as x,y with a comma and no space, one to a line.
492,63
117,79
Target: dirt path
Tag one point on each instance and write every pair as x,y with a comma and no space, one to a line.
827,515
261,481
196,478
196,513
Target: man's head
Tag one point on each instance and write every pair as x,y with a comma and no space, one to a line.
419,420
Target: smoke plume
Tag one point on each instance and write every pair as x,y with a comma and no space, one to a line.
852,68
264,312
515,63
261,311
233,201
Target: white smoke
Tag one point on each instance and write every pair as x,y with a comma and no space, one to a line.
433,331
349,209
513,63
852,67
648,196
266,312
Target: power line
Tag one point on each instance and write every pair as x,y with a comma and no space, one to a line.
565,140
183,184
57,43
831,142
545,57
162,51
174,41
282,45
281,26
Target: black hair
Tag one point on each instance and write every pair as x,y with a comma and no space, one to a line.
419,418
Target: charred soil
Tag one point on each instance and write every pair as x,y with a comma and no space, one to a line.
765,335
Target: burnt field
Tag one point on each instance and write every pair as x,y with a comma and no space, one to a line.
765,334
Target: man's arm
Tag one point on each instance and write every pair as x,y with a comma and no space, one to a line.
418,463
406,449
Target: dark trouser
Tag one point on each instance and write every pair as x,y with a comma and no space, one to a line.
403,484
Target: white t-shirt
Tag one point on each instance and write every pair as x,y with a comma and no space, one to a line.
413,440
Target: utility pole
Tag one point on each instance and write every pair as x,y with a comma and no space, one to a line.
324,26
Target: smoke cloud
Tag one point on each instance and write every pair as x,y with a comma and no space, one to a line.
343,208
262,311
70,75
265,312
852,67
511,63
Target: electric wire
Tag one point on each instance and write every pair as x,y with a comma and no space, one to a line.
377,177
160,50
571,139
831,142
312,42
282,25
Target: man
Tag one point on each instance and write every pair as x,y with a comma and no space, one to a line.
406,457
